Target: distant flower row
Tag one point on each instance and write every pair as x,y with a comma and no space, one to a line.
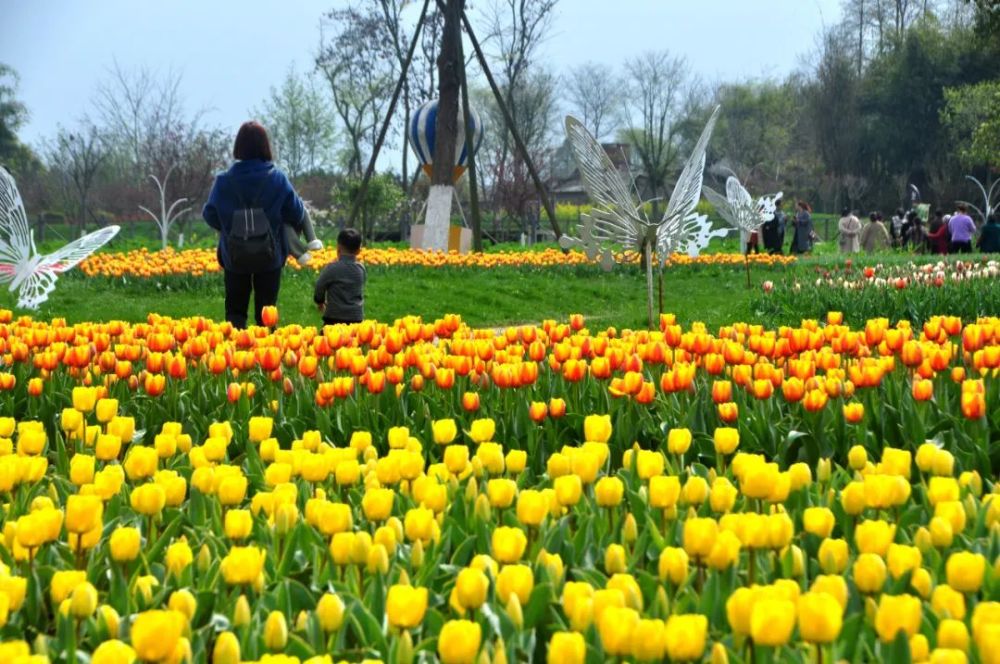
198,262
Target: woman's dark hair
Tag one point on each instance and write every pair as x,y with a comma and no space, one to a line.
252,142
845,212
805,206
873,217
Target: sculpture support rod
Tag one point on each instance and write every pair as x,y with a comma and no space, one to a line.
363,189
546,202
470,151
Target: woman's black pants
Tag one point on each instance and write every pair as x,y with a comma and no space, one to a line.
264,286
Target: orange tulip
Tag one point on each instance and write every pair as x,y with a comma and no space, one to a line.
854,412
923,390
269,316
470,402
722,391
728,412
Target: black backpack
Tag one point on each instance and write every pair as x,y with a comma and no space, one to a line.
250,240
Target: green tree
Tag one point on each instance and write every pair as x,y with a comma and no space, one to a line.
300,124
972,114
13,115
383,199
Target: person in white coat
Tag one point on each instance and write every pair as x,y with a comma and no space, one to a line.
850,232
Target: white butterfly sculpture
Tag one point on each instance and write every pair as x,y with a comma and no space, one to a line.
617,217
30,273
744,213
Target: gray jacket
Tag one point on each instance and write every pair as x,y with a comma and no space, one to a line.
341,287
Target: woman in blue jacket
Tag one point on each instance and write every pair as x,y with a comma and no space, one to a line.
252,183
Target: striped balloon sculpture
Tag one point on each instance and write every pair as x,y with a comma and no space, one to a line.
421,136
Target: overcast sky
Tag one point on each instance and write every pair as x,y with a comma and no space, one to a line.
230,52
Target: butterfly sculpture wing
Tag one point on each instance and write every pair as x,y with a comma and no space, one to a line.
37,285
681,228
15,234
721,205
32,275
615,214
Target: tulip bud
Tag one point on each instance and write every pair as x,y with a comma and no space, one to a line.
241,613
204,558
226,650
471,490
111,620
417,554
514,610
630,530
719,654
302,621
275,631
330,611
823,470
922,539
499,652
482,508
404,648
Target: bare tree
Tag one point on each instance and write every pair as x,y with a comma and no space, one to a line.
77,157
300,124
595,96
359,65
653,110
515,31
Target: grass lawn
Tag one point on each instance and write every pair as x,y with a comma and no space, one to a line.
713,294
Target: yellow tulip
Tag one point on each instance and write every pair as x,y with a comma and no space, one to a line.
678,441
116,652
869,573
148,499
508,544
83,513
83,601
515,580
686,636
897,613
965,571
726,440
472,585
699,536
275,631
482,430
617,626
874,537
124,544
459,641
948,602
568,489
597,428
226,649
566,648
818,521
820,617
444,431
405,606
242,565
772,621
155,634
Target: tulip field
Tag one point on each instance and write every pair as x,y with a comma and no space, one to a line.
424,491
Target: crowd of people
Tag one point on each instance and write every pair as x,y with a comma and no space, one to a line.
942,234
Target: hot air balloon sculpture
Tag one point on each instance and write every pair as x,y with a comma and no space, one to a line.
421,137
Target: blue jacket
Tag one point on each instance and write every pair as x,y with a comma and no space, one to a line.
277,197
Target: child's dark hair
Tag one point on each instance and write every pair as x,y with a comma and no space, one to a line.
350,240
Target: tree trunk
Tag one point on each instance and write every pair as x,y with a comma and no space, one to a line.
448,86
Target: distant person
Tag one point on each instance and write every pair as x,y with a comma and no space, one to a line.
340,288
904,230
874,236
850,232
937,234
251,205
916,236
896,227
753,244
802,240
962,228
989,239
773,231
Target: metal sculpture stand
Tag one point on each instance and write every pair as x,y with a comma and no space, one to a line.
988,204
457,6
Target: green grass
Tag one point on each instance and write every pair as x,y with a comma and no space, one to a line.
713,294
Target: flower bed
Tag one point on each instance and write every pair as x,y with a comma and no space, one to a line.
423,491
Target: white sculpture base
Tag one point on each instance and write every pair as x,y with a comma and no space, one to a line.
438,218
459,239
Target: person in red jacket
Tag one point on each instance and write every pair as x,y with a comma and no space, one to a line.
937,234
